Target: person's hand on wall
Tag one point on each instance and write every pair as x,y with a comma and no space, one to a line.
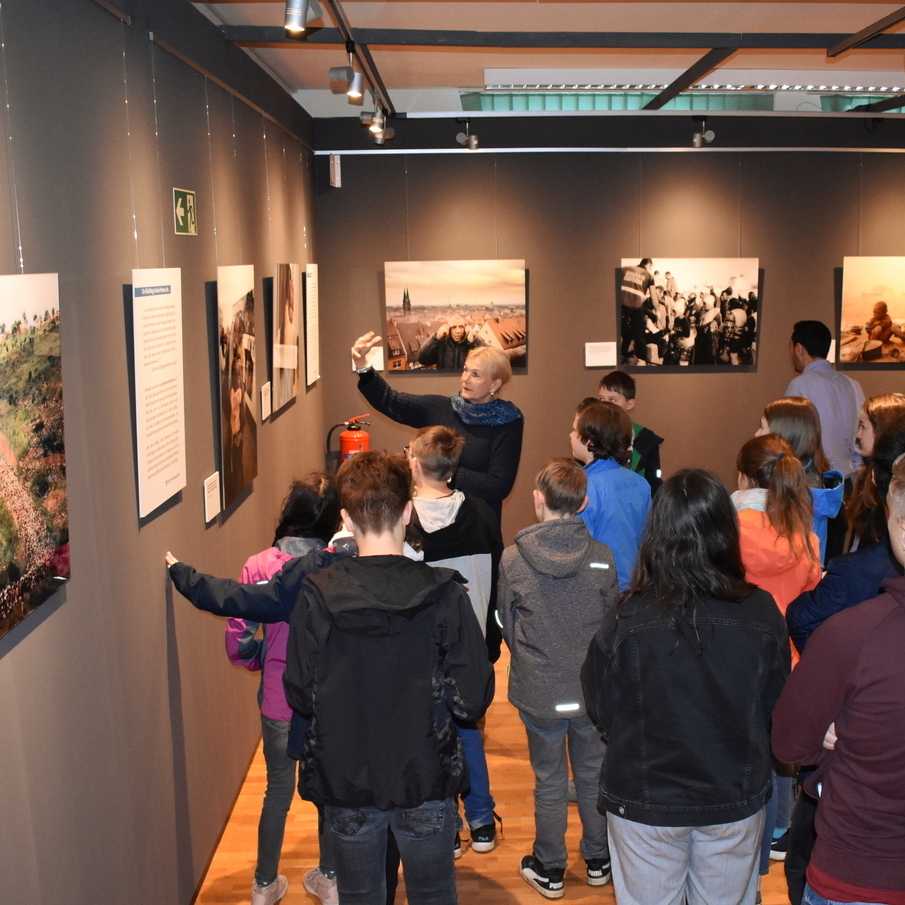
362,346
171,560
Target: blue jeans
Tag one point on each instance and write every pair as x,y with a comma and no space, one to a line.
281,770
425,836
778,816
812,898
479,803
547,750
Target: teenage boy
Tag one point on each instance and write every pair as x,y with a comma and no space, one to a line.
619,388
618,499
556,583
383,652
459,531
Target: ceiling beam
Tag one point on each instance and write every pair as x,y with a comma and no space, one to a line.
394,37
889,103
695,73
867,33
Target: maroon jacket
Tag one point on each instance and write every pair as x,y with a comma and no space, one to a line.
853,673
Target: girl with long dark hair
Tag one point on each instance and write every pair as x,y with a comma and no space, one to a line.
682,678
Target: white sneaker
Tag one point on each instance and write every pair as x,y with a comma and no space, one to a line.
270,894
322,887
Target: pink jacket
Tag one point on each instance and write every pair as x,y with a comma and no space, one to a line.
267,654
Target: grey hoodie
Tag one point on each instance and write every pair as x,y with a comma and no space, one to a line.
556,583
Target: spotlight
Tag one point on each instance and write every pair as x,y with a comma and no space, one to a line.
384,135
356,85
341,73
701,135
299,13
377,121
468,138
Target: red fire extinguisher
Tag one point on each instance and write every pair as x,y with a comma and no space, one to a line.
352,440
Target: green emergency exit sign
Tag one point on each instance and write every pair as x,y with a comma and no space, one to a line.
185,215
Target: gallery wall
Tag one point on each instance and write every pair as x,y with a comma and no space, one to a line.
125,731
572,217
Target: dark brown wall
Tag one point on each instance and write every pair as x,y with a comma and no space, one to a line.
125,731
572,217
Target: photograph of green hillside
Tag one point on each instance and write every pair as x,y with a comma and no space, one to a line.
34,519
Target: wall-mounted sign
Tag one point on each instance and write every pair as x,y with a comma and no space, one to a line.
185,214
159,385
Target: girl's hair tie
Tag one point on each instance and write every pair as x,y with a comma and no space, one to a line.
779,456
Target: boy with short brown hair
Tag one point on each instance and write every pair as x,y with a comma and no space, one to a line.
556,583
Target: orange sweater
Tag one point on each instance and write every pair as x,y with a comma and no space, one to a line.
770,562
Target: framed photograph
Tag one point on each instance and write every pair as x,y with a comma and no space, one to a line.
700,313
438,311
872,319
238,406
34,512
287,314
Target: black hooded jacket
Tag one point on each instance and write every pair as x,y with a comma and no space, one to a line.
383,651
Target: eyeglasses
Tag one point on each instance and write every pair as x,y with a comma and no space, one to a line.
408,451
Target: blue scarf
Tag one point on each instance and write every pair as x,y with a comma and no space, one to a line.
490,414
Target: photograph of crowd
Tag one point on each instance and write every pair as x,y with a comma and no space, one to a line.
438,311
239,431
688,312
34,513
872,322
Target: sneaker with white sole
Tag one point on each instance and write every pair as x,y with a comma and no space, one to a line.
598,872
547,881
779,847
271,893
457,848
321,886
483,838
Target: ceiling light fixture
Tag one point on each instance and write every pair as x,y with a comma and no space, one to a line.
467,138
701,135
377,121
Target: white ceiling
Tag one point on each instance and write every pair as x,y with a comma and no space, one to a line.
429,79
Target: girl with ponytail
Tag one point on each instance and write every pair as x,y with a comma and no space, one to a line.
780,551
781,554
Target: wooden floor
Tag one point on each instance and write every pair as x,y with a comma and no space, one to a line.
490,878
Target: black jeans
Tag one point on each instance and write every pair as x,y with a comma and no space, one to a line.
802,837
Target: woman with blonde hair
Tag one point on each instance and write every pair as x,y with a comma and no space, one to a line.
492,427
795,419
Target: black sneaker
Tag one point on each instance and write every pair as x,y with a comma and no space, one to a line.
549,883
598,872
779,847
457,848
483,838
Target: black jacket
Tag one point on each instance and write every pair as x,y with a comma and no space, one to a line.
446,353
383,652
686,711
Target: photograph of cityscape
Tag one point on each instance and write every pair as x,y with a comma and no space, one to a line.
438,311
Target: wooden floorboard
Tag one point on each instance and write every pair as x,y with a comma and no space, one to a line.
491,878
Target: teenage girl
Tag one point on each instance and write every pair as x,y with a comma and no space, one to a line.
775,510
795,419
863,511
309,516
780,553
